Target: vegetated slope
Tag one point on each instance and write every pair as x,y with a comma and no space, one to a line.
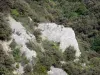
82,15
58,33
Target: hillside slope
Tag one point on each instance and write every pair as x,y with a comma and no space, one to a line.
49,37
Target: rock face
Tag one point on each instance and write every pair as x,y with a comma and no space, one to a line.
56,71
21,37
59,33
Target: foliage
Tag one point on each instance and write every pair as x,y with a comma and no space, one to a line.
50,45
13,44
40,69
14,12
82,9
69,54
24,60
5,5
15,51
5,30
33,46
16,54
5,63
37,34
44,61
75,68
95,62
96,45
27,68
22,7
82,15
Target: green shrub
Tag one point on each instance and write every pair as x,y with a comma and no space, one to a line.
13,44
69,54
24,60
96,45
50,45
94,66
44,62
15,51
16,54
73,15
40,69
6,62
72,68
15,12
22,7
93,71
5,30
17,65
32,46
95,62
51,52
5,5
92,54
37,34
28,68
82,9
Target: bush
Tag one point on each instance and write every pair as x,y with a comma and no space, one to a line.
28,68
5,63
22,7
93,71
13,44
82,10
15,51
69,54
37,34
50,45
51,52
5,30
72,68
95,62
15,12
40,69
5,5
24,60
32,46
73,15
92,54
96,45
44,62
16,54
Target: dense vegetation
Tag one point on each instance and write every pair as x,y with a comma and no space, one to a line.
82,15
5,30
5,63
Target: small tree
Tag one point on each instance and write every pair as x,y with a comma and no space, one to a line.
5,63
69,54
96,45
37,34
5,30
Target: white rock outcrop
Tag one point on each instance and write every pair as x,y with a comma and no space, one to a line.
59,33
20,70
21,37
56,71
